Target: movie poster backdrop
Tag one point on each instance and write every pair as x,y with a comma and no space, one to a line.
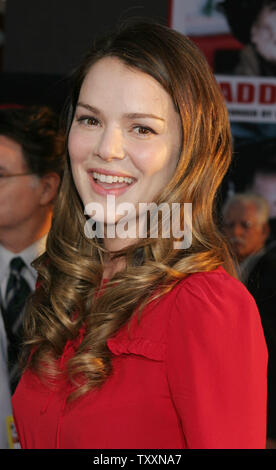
238,38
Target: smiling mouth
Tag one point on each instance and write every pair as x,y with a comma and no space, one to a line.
111,179
105,183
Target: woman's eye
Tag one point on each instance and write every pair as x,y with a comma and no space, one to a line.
141,130
88,121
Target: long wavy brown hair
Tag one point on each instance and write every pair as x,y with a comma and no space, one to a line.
71,270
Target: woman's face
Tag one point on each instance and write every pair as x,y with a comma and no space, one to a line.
263,34
125,138
265,185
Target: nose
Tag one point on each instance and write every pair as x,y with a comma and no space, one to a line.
111,144
233,229
237,230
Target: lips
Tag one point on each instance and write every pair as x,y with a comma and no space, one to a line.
236,241
109,182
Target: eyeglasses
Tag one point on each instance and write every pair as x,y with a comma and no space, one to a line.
3,176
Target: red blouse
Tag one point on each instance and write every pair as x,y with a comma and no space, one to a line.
191,374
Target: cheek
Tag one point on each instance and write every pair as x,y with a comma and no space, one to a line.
252,239
156,159
270,191
24,200
77,147
19,196
21,192
80,181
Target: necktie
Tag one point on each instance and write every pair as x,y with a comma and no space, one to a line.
16,295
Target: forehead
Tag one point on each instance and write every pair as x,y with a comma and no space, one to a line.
264,179
11,155
241,211
111,82
267,17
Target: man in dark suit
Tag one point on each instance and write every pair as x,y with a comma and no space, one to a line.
261,283
31,167
245,218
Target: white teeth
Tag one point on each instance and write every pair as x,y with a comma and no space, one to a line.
102,178
111,179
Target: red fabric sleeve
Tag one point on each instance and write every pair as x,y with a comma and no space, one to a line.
216,365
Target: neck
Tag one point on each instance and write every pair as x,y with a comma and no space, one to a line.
112,266
113,243
17,239
255,252
118,237
118,244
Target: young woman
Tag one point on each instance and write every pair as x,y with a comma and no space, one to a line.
142,341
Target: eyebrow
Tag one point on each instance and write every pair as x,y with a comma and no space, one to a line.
128,115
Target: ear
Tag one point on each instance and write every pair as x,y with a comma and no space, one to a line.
254,34
266,231
49,188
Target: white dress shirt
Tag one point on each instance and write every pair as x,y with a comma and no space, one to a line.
5,399
28,255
